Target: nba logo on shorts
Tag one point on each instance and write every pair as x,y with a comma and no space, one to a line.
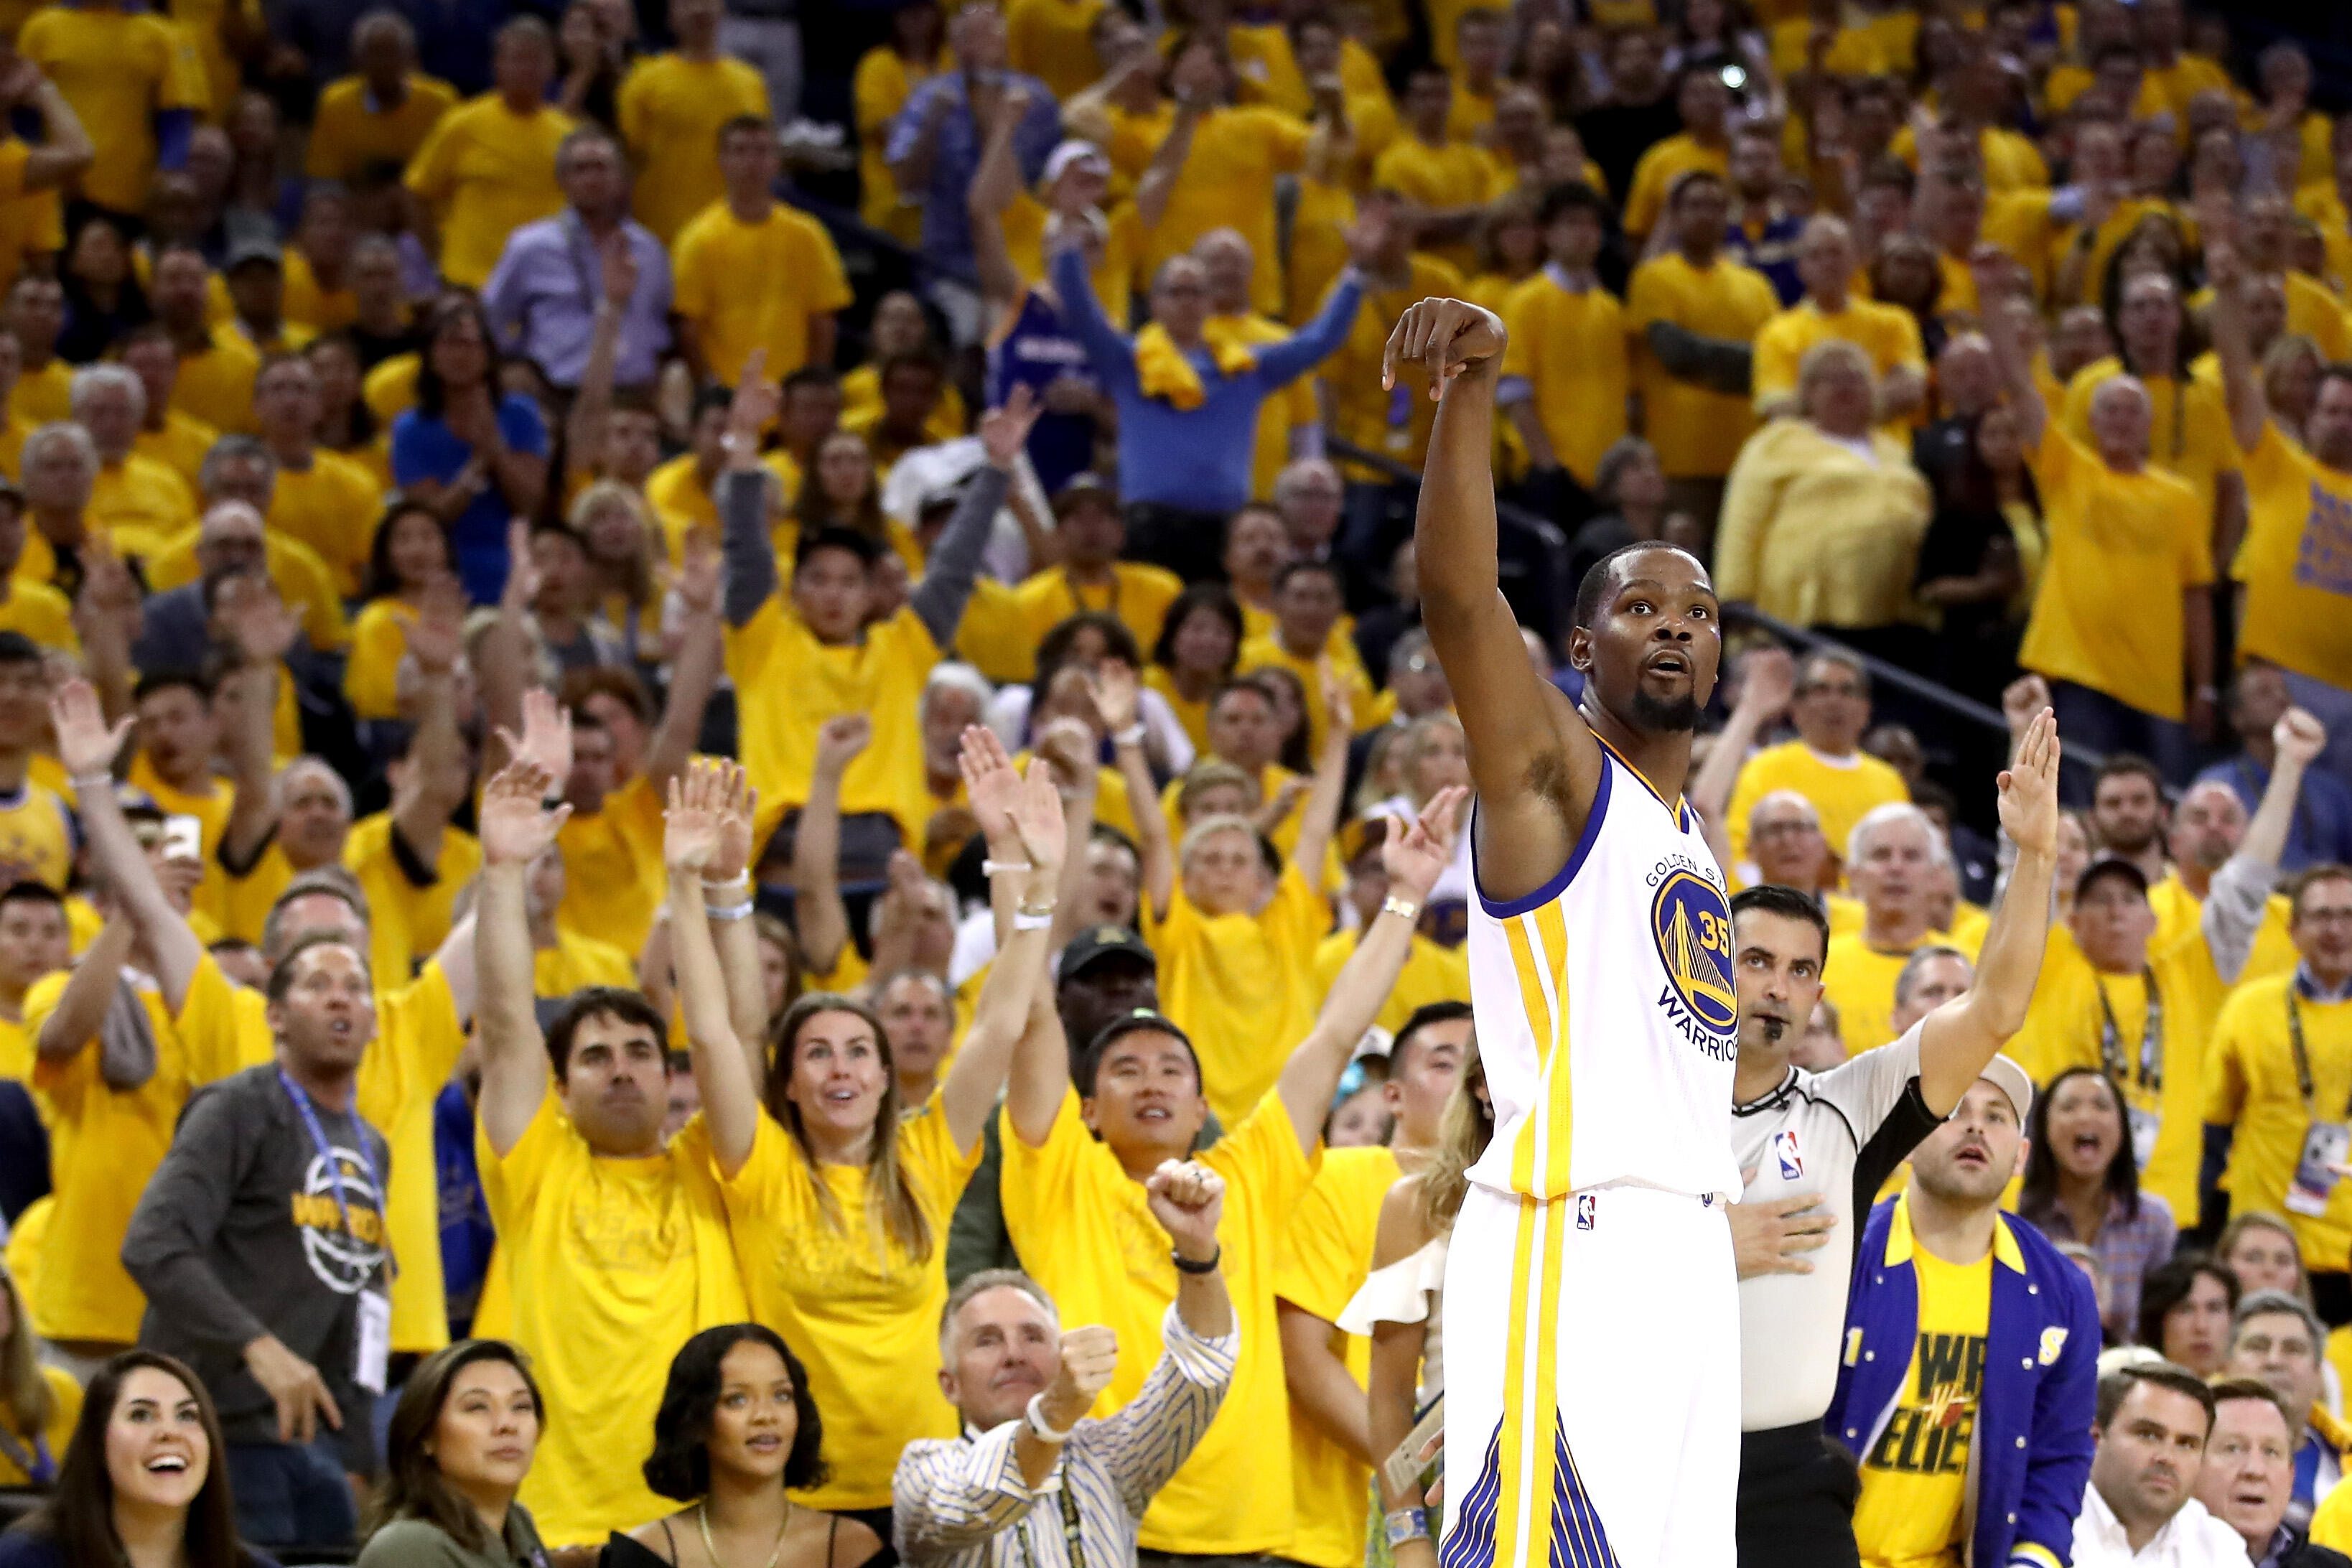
1792,1164
1586,1203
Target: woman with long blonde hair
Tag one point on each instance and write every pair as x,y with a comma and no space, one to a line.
1400,1305
39,1405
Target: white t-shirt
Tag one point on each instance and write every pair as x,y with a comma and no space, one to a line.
2189,1539
1839,1133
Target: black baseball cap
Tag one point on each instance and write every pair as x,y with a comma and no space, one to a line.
1099,941
2113,866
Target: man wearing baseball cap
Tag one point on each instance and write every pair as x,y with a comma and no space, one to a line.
1968,1378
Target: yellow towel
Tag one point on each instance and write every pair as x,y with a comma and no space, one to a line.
1166,373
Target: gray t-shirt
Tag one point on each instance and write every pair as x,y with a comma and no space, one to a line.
1839,1133
239,1235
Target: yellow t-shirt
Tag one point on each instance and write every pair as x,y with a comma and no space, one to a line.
407,921
31,222
1698,432
1431,974
65,1409
1915,1478
642,1250
2180,914
1841,790
1369,709
1887,333
118,70
40,612
1139,595
856,1307
333,507
1446,175
2296,562
2331,1523
2144,529
1655,176
1228,181
613,876
216,383
2066,1025
1859,981
104,1144
2011,161
670,111
311,308
41,397
1194,715
210,811
1819,535
1083,1228
748,286
16,1051
2189,437
1243,986
140,503
2250,1080
379,642
1854,51
182,445
36,837
1049,40
1325,1253
487,171
303,581
1571,347
883,675
349,132
577,963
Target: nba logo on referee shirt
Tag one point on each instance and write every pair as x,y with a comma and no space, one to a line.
1792,1163
1587,1206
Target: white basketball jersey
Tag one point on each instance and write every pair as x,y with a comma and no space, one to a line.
1605,1011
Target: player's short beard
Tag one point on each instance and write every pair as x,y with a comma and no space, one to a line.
1664,715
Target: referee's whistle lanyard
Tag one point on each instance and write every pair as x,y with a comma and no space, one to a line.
2149,1079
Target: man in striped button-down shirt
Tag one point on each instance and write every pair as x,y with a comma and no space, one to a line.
1030,1484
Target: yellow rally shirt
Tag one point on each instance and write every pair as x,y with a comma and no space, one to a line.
1698,432
857,1308
1243,986
748,286
2250,1081
2296,562
1570,346
1084,1229
1843,790
486,172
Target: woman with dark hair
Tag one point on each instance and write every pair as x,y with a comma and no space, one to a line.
2082,1183
1288,694
461,1441
346,424
1982,560
39,1405
103,299
737,1431
144,1482
2184,1308
843,489
410,553
477,455
1198,639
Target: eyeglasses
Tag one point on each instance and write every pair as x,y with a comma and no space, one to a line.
1828,688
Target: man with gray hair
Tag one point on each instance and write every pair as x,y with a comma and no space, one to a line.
2278,1341
58,465
1024,1385
548,286
139,501
1892,858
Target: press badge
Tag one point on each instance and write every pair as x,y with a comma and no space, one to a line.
372,1340
2145,1126
2325,1147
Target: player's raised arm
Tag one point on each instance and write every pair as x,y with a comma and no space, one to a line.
1533,760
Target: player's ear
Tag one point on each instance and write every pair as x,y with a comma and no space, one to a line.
1579,649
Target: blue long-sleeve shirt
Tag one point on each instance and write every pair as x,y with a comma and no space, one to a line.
1196,459
2031,1443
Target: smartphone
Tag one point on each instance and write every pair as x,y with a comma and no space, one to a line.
183,838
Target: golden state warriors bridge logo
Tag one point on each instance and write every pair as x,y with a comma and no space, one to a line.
1693,927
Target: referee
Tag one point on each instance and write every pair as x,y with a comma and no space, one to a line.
1813,1149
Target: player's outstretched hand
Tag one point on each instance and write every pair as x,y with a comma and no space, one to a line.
1447,336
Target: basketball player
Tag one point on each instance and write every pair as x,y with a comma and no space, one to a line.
1593,1321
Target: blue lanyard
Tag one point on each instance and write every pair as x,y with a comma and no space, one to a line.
326,1156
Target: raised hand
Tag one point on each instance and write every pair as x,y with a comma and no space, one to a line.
990,781
1004,430
618,262
1188,1199
2029,788
2299,737
694,819
739,811
1035,814
523,571
546,734
86,745
1415,858
1339,708
1447,337
1116,694
840,739
700,571
437,638
514,826
1069,747
261,627
1768,683
753,407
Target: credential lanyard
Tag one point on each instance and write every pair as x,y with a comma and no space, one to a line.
2150,1077
2303,1056
326,1151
